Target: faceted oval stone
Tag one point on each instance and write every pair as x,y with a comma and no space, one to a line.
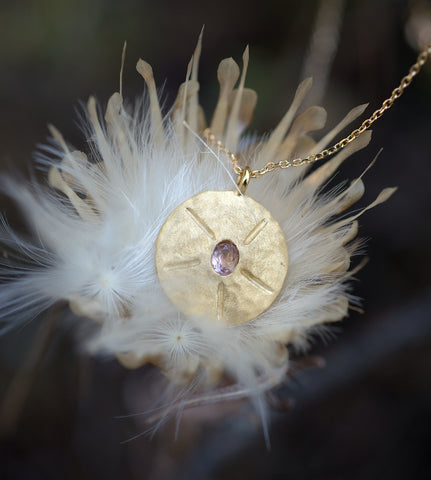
225,258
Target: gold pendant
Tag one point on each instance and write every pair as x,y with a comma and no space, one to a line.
221,256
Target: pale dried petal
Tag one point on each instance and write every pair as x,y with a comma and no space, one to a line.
349,118
246,109
146,72
117,127
133,360
56,134
232,133
383,196
187,89
202,122
277,136
56,181
314,118
193,101
227,74
347,198
324,172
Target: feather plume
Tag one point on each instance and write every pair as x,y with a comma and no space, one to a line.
95,226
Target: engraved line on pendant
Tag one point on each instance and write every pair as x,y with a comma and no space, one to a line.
200,223
257,282
220,300
254,232
194,262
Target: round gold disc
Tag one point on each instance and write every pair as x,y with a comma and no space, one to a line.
221,256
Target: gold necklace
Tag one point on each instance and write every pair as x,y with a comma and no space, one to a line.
220,254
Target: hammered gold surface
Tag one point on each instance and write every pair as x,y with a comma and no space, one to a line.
185,245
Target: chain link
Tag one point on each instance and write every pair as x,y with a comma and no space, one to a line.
297,162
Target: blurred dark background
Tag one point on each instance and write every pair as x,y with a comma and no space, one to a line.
367,414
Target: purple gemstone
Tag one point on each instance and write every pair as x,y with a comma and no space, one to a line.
225,258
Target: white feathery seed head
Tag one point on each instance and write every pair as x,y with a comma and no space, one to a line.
95,226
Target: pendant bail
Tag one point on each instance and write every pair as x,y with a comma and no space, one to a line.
244,179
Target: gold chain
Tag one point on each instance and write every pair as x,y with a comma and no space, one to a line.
297,162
